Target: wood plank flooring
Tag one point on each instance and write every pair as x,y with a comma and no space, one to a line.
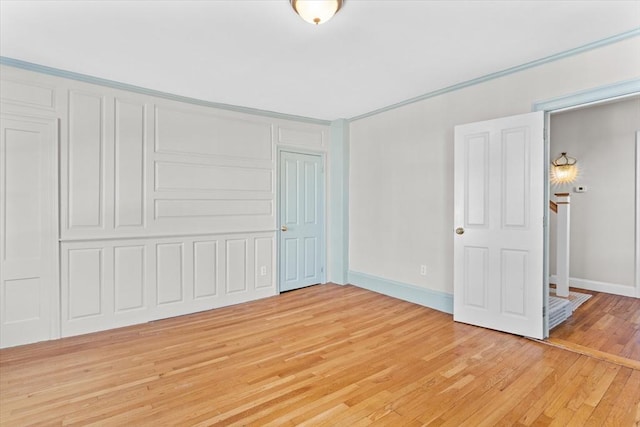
325,355
606,323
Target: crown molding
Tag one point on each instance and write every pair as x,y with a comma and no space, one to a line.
29,66
571,52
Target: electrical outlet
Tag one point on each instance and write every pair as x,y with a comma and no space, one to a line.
423,270
263,270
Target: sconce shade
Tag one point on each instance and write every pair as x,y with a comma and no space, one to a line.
564,170
316,11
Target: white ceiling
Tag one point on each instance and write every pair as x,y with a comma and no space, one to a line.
259,54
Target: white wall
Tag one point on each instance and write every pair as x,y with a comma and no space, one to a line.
166,207
401,163
602,139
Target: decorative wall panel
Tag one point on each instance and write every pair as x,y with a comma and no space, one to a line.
236,256
200,177
169,273
129,166
186,131
123,282
205,267
85,283
302,136
85,160
166,208
189,208
129,277
28,94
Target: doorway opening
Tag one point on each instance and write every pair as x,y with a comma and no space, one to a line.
603,232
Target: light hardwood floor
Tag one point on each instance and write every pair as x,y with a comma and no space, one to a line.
605,323
324,355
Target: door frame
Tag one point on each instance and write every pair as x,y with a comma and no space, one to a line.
593,96
323,237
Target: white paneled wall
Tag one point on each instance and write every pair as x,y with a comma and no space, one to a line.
166,208
180,169
122,282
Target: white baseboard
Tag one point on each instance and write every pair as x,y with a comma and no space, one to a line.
593,285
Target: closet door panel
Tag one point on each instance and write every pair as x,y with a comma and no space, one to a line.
28,231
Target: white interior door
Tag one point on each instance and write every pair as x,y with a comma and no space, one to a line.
498,243
301,219
28,225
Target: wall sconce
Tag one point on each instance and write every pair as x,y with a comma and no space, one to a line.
564,169
316,11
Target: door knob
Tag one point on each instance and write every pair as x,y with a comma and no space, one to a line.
459,230
284,228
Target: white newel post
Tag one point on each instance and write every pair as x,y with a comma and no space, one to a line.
562,250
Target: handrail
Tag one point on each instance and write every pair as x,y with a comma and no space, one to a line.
553,206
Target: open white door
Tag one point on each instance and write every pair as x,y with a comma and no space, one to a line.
498,243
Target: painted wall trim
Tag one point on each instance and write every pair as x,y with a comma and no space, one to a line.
339,209
433,299
593,285
590,46
29,66
161,236
615,90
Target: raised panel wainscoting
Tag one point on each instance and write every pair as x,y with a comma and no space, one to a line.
165,207
113,283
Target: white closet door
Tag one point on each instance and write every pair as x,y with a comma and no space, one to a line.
28,221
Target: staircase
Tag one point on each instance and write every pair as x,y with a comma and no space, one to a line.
560,308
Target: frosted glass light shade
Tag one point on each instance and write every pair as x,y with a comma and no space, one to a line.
564,174
564,169
316,11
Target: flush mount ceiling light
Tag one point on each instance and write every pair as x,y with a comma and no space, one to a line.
316,11
564,169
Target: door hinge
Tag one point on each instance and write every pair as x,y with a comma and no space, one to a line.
544,311
321,269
